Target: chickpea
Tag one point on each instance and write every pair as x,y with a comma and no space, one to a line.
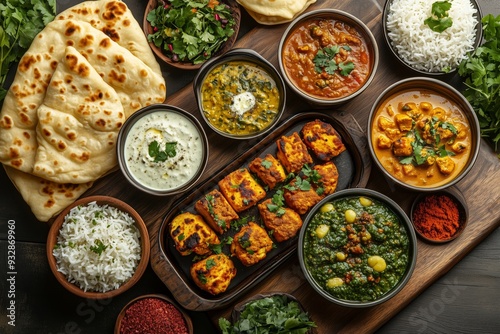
322,230
377,263
366,236
327,207
340,256
350,216
365,201
334,282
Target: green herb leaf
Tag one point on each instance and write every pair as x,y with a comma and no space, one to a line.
439,21
20,22
99,247
324,60
160,156
192,30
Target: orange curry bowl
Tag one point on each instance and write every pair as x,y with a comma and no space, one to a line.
328,57
423,134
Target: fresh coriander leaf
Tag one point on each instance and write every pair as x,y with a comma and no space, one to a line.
346,68
439,20
160,156
99,248
266,164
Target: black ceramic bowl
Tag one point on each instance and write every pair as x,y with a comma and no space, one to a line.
446,92
420,69
310,232
240,55
338,16
171,132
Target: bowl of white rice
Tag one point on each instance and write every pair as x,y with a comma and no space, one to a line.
98,247
432,37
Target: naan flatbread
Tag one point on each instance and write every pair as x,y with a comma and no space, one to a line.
136,84
275,11
78,124
45,198
116,20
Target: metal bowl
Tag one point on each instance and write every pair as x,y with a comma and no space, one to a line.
52,240
122,145
405,224
255,58
396,54
330,14
440,88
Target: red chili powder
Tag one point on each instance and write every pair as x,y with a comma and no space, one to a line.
437,217
153,316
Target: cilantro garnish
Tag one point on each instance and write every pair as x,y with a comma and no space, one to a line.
481,75
325,61
20,22
439,20
277,203
427,149
99,247
266,164
210,264
210,203
190,31
160,156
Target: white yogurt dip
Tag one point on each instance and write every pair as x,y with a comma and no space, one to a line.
178,154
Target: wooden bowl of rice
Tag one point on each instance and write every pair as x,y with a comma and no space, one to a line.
98,247
429,51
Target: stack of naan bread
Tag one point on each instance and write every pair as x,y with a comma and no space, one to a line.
270,12
82,76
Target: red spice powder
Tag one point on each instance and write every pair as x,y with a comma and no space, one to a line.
153,316
437,217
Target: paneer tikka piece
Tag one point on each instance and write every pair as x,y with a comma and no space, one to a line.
241,190
322,139
214,273
251,244
192,234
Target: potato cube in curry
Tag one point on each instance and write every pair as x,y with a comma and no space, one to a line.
214,273
268,169
284,222
251,244
384,142
402,147
322,139
292,153
404,122
241,190
445,165
385,123
192,234
216,210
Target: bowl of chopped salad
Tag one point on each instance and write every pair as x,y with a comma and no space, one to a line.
185,34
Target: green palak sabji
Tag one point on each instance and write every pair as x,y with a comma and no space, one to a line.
357,258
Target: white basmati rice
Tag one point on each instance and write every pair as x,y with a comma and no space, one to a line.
423,48
85,228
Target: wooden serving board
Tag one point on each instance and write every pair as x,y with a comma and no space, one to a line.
480,188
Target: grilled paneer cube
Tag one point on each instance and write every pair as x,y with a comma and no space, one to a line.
251,244
213,274
216,210
292,153
322,139
300,199
283,222
241,190
268,169
329,177
192,234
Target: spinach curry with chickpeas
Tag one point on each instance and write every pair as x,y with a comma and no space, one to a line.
421,137
240,98
356,248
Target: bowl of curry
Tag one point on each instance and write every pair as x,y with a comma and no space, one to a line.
423,134
328,56
240,95
357,248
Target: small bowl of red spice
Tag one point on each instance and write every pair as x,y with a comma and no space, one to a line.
153,314
439,216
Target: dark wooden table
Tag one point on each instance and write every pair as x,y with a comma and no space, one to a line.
456,288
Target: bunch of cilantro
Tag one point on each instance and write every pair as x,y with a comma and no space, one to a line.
481,74
275,314
192,30
20,22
